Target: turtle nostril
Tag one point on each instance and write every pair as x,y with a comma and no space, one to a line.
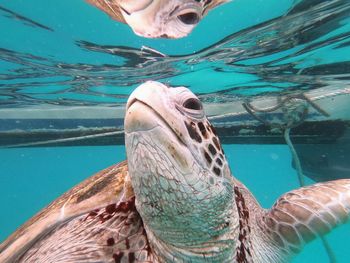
189,18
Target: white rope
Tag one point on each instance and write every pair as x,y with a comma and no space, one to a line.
64,140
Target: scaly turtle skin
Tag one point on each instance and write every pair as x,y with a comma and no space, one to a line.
96,221
158,18
175,200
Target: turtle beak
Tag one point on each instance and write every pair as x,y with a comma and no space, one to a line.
139,117
148,106
146,91
134,6
142,106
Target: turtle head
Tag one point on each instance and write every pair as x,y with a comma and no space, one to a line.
164,18
176,164
175,121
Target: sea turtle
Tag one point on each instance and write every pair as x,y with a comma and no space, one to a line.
158,18
174,200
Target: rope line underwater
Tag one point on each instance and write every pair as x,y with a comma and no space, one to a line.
295,109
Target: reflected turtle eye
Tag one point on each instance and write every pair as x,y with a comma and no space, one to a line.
193,104
190,18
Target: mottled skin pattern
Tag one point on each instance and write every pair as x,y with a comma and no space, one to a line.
110,234
158,18
175,200
96,221
192,208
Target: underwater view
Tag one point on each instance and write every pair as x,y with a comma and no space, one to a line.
273,77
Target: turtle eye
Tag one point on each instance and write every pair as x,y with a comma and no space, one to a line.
190,18
193,104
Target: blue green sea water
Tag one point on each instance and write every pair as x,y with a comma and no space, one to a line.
66,70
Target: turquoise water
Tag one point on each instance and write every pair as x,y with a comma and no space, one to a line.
66,71
78,56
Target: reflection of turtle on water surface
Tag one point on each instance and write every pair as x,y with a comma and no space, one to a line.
175,200
158,18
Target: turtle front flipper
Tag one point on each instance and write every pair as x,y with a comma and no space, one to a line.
96,221
301,215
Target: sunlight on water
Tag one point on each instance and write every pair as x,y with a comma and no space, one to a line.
289,52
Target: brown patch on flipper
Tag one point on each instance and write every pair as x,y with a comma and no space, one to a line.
301,215
210,4
70,205
110,7
114,233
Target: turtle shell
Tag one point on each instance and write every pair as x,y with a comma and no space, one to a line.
95,221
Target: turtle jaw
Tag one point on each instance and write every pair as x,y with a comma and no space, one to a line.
135,115
149,117
141,120
156,99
